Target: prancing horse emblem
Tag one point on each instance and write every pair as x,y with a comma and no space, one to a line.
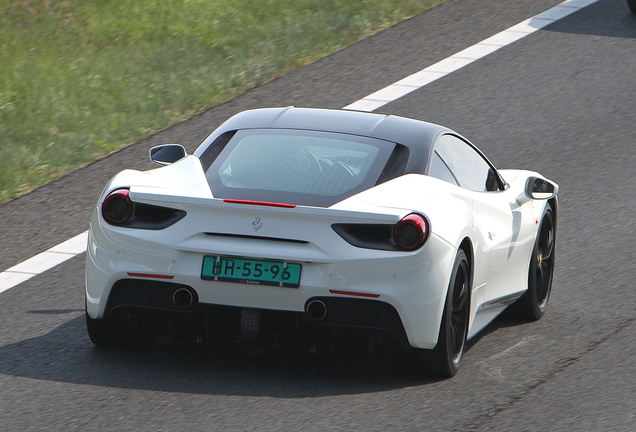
257,224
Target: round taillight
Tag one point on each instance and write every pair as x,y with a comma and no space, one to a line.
117,208
411,232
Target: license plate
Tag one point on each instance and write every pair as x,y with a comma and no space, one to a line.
251,271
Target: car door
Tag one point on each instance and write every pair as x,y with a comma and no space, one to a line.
508,230
501,223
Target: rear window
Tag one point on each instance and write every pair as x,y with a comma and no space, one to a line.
297,167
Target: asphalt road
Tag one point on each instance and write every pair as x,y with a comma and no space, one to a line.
560,101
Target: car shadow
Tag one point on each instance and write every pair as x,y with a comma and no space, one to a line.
611,18
66,355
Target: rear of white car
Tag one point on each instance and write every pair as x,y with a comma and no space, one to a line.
295,227
399,292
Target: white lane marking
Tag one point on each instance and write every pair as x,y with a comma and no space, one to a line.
77,245
469,55
43,262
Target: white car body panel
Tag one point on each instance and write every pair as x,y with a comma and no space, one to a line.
501,233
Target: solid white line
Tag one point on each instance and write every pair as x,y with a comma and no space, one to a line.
77,245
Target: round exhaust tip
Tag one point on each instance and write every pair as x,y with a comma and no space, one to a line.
182,298
316,310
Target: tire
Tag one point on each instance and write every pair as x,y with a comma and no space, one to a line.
532,304
444,360
632,5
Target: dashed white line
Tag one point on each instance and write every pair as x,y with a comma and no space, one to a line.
77,245
43,262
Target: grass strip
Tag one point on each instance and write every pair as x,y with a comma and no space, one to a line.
81,78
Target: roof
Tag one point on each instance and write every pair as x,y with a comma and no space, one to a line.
417,135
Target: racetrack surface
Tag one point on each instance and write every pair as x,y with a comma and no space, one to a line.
560,101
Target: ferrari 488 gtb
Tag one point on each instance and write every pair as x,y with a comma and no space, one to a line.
298,227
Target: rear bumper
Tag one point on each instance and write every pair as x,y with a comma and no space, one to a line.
158,301
409,287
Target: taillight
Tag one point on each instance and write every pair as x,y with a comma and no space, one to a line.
117,208
411,232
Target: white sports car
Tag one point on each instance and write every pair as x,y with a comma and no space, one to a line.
297,227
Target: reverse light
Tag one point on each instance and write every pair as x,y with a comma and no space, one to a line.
117,208
411,232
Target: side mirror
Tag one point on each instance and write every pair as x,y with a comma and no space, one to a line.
167,154
537,188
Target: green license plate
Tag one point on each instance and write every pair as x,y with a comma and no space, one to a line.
251,271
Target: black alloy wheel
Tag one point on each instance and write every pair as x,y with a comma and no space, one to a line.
447,355
533,303
544,260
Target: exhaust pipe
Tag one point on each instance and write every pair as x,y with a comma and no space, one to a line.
182,298
316,310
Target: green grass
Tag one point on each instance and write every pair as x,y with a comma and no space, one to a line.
79,79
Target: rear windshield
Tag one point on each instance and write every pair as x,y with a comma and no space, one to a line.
296,167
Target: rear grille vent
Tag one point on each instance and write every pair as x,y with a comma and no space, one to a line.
367,236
